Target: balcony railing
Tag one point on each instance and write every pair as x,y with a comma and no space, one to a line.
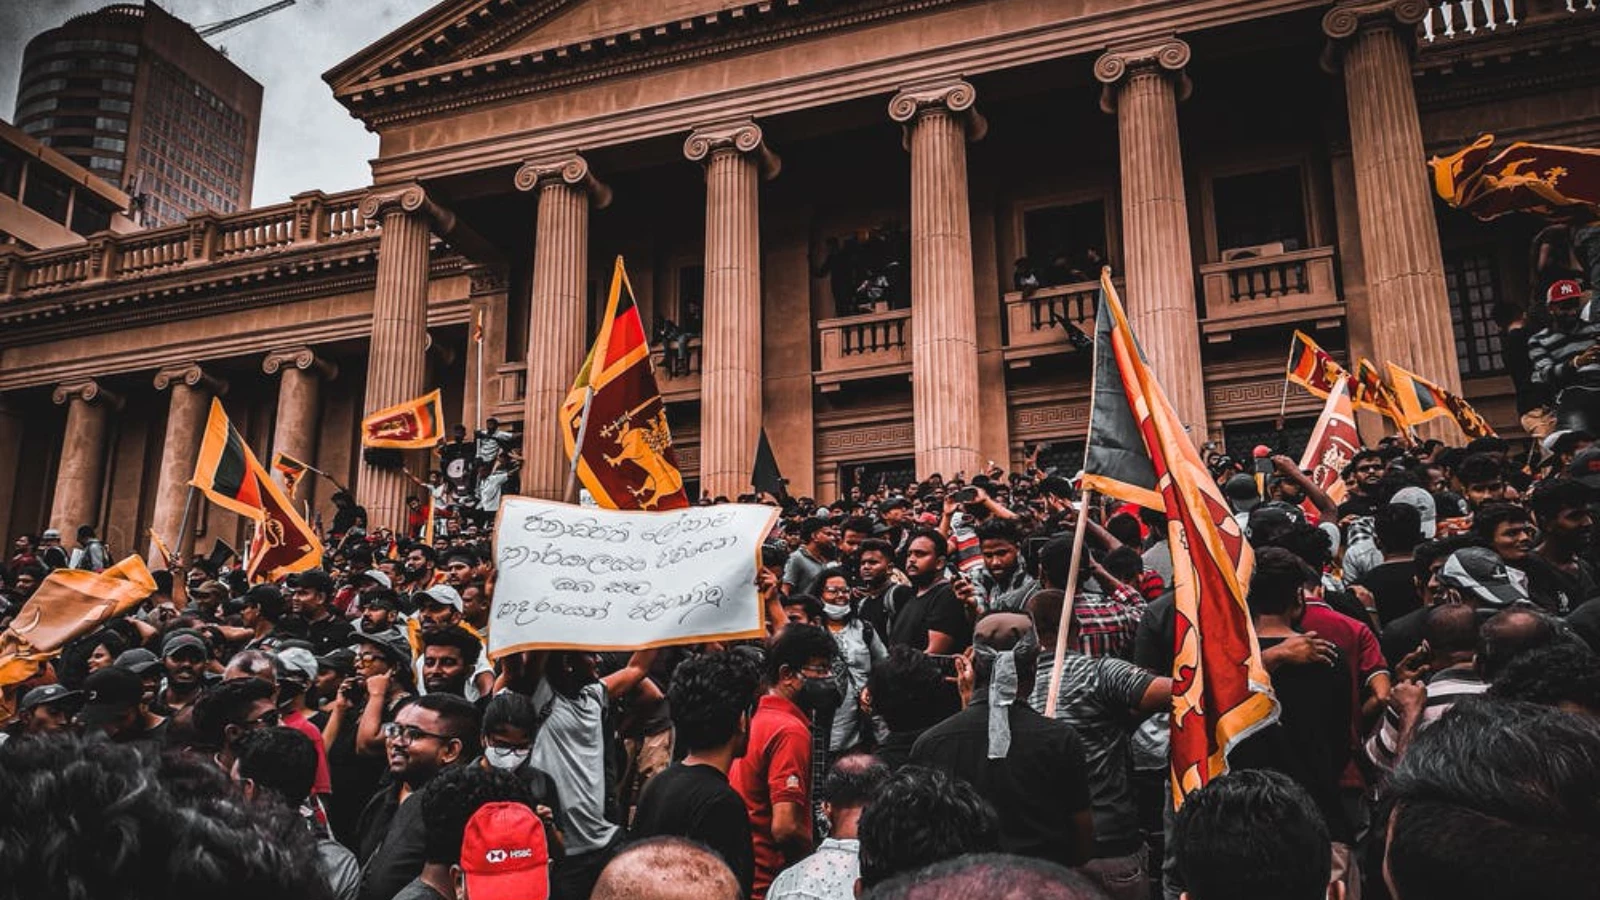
505,397
868,346
1280,289
682,382
1036,321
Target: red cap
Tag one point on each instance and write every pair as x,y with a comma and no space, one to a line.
1262,451
503,854
1564,290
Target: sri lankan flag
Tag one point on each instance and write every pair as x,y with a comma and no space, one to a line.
1549,180
226,471
283,543
405,426
613,422
1221,694
1421,400
1373,395
1312,367
1333,443
289,469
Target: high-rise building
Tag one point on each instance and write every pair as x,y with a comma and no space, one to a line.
135,96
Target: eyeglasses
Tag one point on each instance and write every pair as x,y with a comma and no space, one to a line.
820,671
836,589
268,719
407,734
368,656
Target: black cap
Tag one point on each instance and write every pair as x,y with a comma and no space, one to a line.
316,579
47,694
342,660
110,693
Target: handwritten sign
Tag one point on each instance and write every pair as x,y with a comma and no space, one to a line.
574,577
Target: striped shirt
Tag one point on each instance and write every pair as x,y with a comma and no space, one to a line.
1107,624
1445,689
1550,352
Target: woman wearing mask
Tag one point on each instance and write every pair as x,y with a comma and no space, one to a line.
860,648
509,723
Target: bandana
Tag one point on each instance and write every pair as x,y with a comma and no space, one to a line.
1005,629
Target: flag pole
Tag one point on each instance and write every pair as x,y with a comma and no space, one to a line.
1283,401
1071,592
183,524
571,493
478,391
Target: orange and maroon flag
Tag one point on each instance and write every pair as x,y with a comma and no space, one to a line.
1333,443
226,469
283,542
1221,693
613,421
1421,400
1549,180
1312,367
406,426
1373,395
289,469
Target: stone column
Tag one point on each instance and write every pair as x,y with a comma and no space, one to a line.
1406,294
736,161
558,333
76,500
396,360
938,120
192,390
1143,86
300,374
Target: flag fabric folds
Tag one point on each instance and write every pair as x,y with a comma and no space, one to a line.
283,542
1312,367
1421,400
411,425
165,560
1556,182
226,469
1221,693
290,470
1373,395
67,604
766,478
613,422
1333,443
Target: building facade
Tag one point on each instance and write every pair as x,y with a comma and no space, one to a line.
879,221
47,200
132,94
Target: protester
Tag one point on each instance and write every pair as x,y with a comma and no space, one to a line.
280,765
831,872
1253,834
448,804
666,868
919,817
993,876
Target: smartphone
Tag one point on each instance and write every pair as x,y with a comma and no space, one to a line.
966,495
946,662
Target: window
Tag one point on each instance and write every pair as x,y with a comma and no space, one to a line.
87,218
1065,244
1260,208
1240,439
117,144
120,126
1470,277
46,195
896,473
691,298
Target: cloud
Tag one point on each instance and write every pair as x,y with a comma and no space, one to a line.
308,141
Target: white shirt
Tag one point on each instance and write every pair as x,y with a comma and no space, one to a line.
828,874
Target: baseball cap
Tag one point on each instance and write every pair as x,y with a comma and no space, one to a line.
503,854
379,577
108,694
316,579
1242,492
342,660
466,556
47,694
1479,572
444,595
1272,520
298,661
393,644
138,660
1565,290
1586,467
51,533
1422,501
184,639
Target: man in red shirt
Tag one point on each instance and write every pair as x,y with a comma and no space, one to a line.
774,775
297,671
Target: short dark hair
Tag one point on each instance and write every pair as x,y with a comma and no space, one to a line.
459,719
227,703
1429,552
509,709
996,529
811,606
1397,527
809,527
1490,516
920,816
1450,628
1252,833
908,691
1360,457
455,636
858,524
1554,496
280,760
852,779
1509,634
1497,799
1125,528
995,876
876,545
1275,587
797,645
1124,563
450,799
707,696
941,545
1567,672
1055,560
1479,468
1304,540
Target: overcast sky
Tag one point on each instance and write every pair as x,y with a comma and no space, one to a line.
308,141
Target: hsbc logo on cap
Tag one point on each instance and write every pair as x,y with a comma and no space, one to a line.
499,856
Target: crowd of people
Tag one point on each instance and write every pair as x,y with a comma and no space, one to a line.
1432,642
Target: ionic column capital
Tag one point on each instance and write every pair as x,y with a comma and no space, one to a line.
303,358
1350,18
89,391
952,95
563,168
1168,55
192,375
408,198
742,136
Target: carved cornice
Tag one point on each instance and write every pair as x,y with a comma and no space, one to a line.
1166,56
742,136
192,375
303,358
563,168
952,96
486,280
408,198
89,391
1349,18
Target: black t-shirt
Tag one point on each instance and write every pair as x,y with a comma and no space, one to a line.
419,890
328,635
1038,789
696,802
1553,590
1402,636
1394,589
936,609
1358,505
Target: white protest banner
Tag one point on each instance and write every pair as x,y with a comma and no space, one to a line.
574,577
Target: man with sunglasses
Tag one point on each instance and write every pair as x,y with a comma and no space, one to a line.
428,735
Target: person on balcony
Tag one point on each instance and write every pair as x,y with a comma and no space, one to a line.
1566,356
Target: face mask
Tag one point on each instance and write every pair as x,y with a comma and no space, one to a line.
507,758
819,695
838,612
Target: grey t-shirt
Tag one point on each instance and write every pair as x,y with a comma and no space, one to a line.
800,573
571,749
1098,697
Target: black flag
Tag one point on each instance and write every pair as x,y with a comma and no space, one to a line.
766,477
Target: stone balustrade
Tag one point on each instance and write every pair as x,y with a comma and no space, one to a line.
1266,291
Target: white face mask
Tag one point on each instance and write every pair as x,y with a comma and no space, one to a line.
835,611
506,757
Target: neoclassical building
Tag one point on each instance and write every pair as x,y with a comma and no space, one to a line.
876,224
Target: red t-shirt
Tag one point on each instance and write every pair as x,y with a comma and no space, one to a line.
775,769
1361,652
323,784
